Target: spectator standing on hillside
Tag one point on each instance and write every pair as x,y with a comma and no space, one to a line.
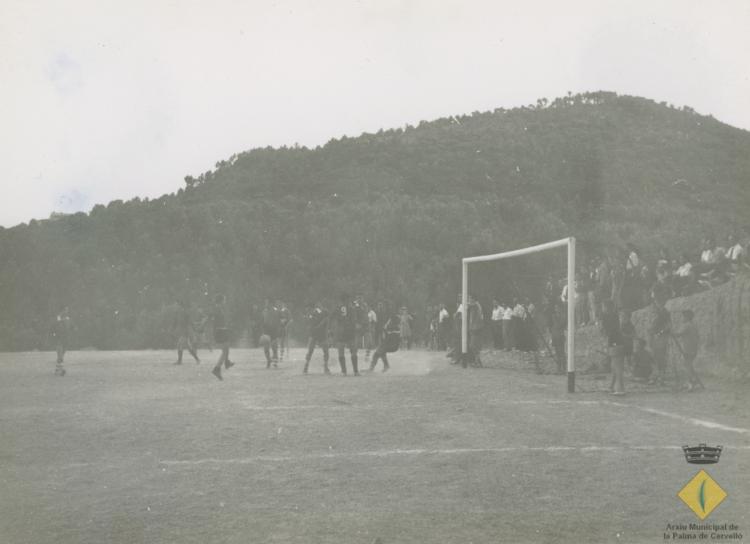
221,335
647,280
708,257
632,296
682,274
633,263
615,350
687,338
60,336
662,290
663,261
735,252
582,297
658,332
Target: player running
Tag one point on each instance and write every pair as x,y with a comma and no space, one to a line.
318,336
285,319
185,332
388,341
221,335
372,337
60,333
271,329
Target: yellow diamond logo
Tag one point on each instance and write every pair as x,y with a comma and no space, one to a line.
702,494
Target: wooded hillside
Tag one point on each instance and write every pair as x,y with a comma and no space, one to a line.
387,215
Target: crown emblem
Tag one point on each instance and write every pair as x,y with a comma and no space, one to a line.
702,454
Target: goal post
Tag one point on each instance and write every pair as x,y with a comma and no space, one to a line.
570,244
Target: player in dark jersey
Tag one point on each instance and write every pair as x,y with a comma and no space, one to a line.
60,333
221,335
344,328
388,341
183,328
318,336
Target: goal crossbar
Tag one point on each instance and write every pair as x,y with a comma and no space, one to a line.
570,243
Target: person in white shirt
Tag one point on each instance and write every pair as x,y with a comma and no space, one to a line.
443,315
516,324
371,339
497,324
685,268
507,318
735,251
443,328
707,255
455,352
564,293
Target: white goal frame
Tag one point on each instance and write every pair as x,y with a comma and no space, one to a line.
570,243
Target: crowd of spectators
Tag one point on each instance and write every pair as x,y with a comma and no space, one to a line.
632,280
607,290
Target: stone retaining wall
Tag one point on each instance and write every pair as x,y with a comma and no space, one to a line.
722,315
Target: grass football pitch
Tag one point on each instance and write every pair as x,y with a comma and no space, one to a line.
127,448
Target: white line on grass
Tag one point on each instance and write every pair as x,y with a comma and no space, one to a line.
413,452
338,406
344,405
672,415
685,419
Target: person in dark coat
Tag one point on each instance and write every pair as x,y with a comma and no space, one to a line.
389,340
318,336
344,332
60,334
221,335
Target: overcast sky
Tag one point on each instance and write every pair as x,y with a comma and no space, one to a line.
104,100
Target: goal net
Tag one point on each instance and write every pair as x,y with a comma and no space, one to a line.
466,289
